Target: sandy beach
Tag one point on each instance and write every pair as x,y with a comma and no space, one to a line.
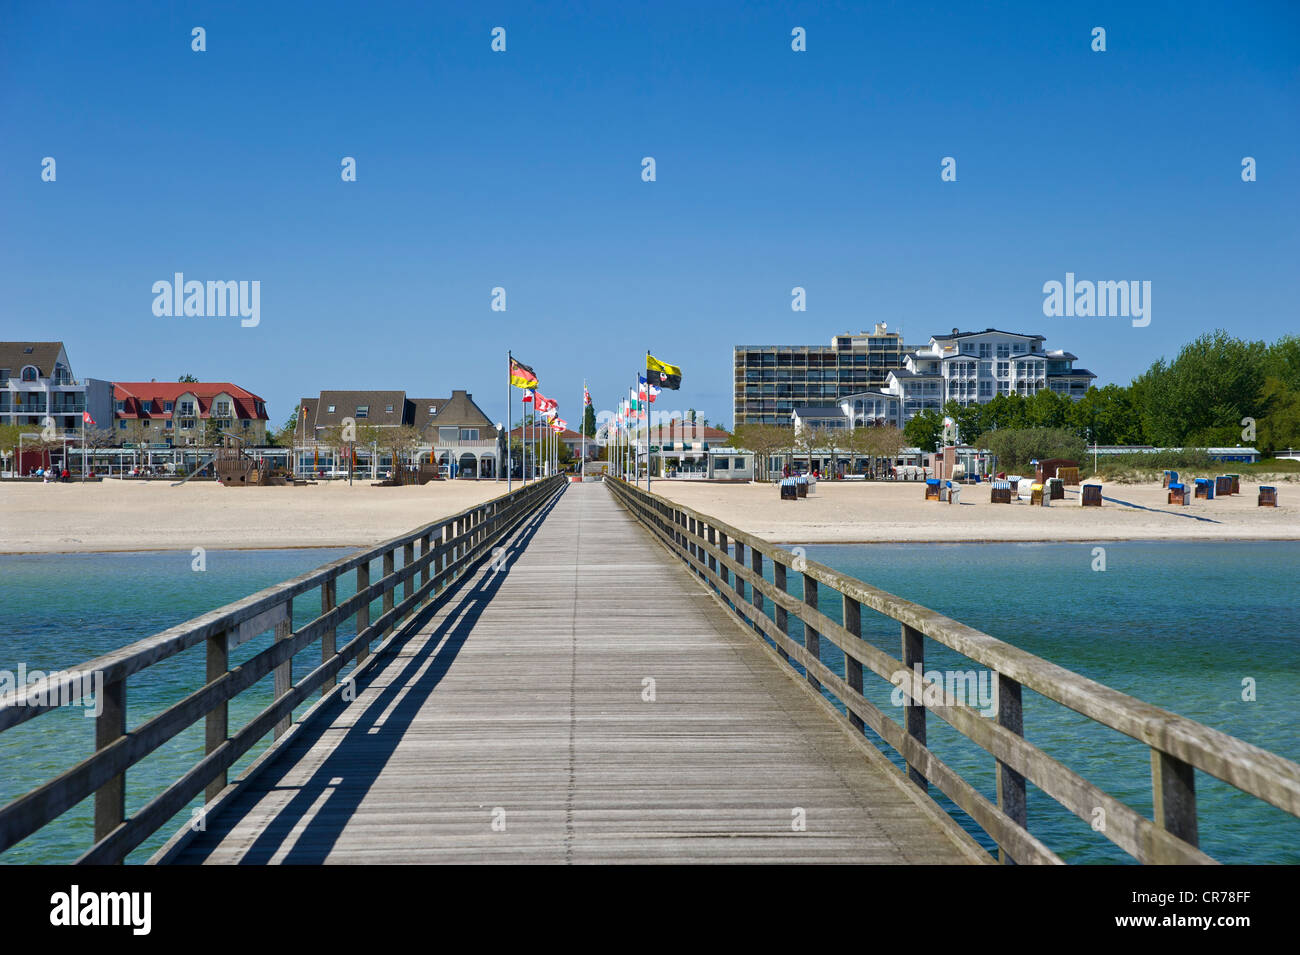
851,512
115,515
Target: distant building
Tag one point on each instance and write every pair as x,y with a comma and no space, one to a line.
177,414
968,368
453,431
36,382
772,380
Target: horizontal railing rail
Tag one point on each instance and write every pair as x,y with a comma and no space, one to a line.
716,552
450,548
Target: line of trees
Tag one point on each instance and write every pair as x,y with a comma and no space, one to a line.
770,440
1219,391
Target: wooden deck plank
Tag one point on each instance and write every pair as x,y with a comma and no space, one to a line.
525,695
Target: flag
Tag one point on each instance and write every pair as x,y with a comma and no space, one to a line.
648,391
543,403
586,397
528,395
559,425
86,418
663,374
521,376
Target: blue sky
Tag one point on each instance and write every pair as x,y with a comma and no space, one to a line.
522,170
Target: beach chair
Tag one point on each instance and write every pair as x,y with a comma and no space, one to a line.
1036,495
1170,479
1055,489
1222,485
1000,492
788,491
1090,496
801,486
1177,493
931,489
1267,496
1069,475
1204,489
1236,483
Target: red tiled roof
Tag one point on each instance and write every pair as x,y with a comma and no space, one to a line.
147,397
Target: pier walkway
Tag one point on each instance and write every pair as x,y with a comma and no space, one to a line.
583,698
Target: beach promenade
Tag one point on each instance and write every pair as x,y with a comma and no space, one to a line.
535,719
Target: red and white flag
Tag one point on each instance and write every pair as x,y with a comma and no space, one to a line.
86,418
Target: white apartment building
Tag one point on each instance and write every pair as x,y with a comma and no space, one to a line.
969,368
36,383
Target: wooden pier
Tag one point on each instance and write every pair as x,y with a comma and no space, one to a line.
592,673
520,725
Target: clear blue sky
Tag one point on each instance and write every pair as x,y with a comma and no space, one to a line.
523,170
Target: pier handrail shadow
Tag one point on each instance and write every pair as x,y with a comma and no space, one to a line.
450,549
716,553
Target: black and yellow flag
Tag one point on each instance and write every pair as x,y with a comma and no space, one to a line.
662,374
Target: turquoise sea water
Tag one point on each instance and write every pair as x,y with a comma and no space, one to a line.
60,610
1177,624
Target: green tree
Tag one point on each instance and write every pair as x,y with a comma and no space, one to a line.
924,430
189,379
1015,448
589,421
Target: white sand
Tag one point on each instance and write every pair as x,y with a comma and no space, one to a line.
851,512
137,515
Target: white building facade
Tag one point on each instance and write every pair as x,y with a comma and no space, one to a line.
968,368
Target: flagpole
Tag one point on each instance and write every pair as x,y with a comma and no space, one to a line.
582,461
509,411
647,420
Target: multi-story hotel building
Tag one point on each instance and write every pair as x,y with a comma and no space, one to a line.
36,382
772,380
968,368
177,414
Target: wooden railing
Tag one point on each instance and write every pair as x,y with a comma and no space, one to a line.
731,562
450,549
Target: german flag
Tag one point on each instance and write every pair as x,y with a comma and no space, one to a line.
662,374
521,376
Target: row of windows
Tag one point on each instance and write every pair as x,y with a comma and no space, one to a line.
184,424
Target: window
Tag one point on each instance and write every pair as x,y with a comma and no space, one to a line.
363,411
29,372
168,405
433,409
167,425
986,350
121,425
469,434
4,376
986,389
1004,368
187,409
246,424
388,409
448,435
119,406
329,410
144,423
222,409
721,464
1004,350
1020,348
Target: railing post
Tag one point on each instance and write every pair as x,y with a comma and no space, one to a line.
408,558
283,677
328,601
1173,784
812,639
425,543
389,569
782,615
363,612
756,595
713,542
852,665
217,723
914,710
723,571
1011,785
110,725
740,581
